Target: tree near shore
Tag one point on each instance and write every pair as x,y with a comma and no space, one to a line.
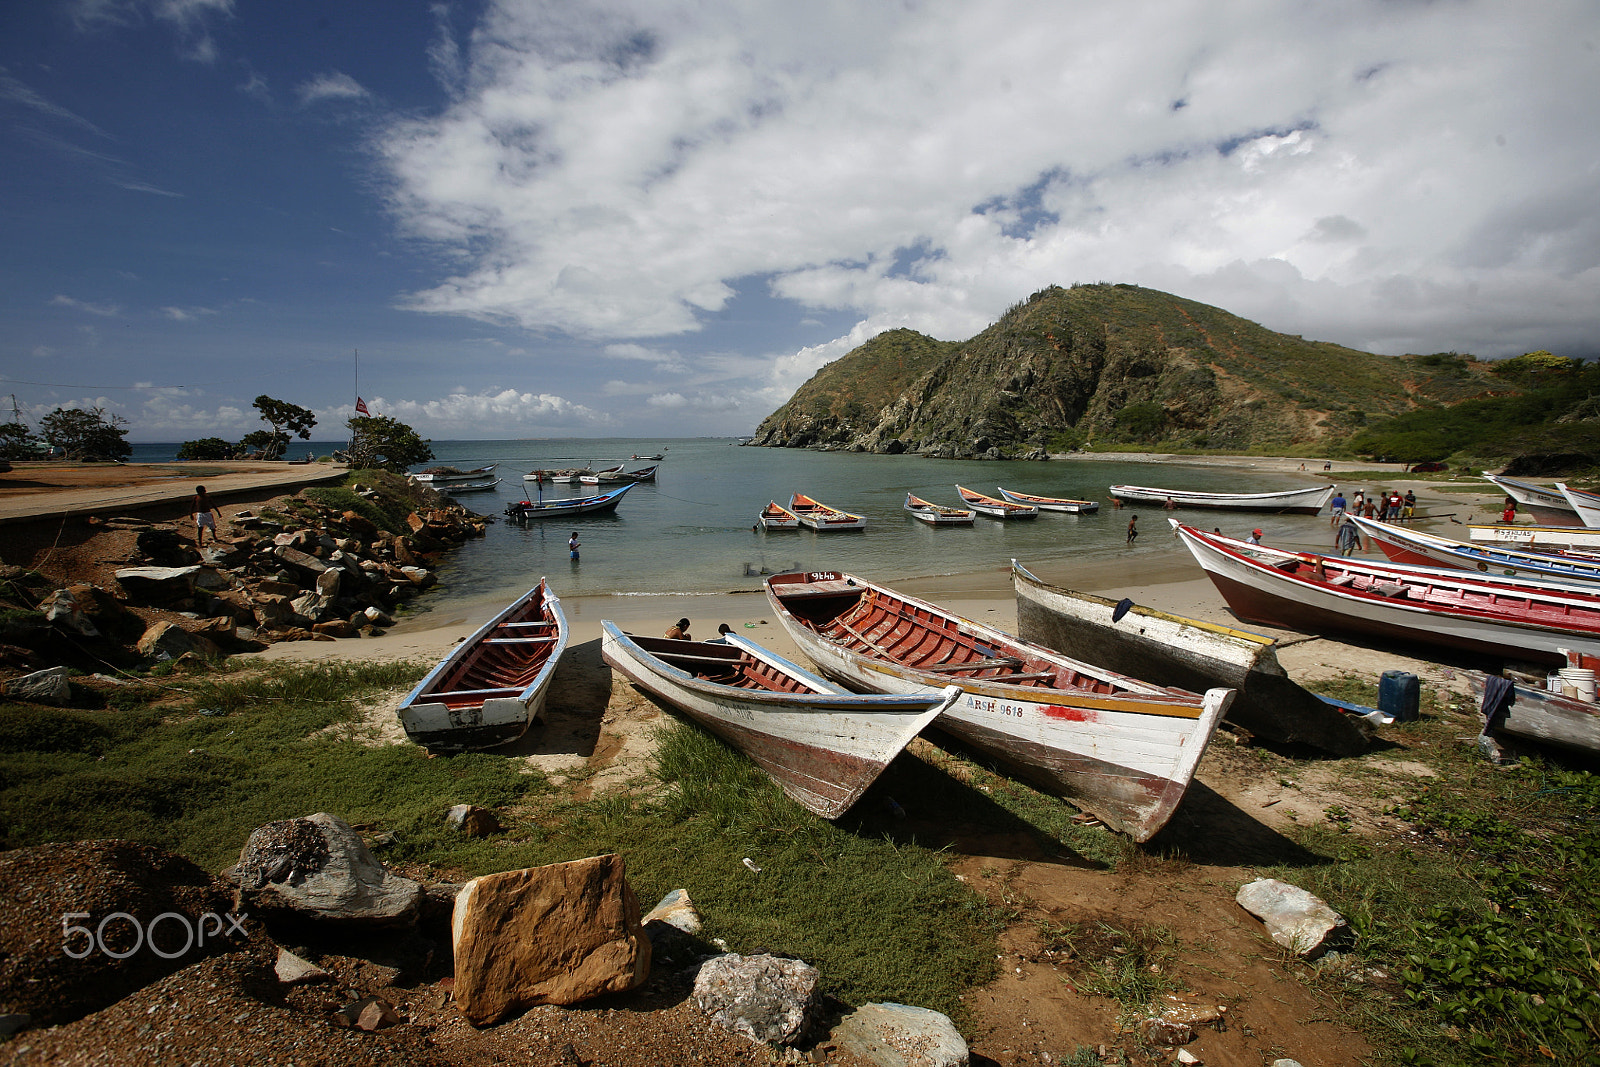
207,448
16,441
379,442
284,418
87,434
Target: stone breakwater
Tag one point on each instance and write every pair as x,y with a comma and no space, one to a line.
306,570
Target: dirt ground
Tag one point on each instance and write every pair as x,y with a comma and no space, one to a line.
1176,894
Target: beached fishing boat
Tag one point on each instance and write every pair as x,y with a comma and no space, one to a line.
523,510
1547,506
994,507
1121,749
1585,503
1051,503
823,744
938,514
1319,594
1415,548
1544,716
493,684
777,517
1307,501
821,517
1564,538
1187,653
438,476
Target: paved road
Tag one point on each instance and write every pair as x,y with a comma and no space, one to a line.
55,502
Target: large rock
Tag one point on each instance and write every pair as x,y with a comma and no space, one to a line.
49,686
47,888
158,585
62,608
166,640
107,613
317,867
165,548
546,935
306,564
769,999
273,611
895,1035
1295,919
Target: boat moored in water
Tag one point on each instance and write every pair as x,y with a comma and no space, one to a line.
821,517
1051,503
994,507
777,517
938,514
1308,501
523,510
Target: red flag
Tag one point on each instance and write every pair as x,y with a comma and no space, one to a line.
361,406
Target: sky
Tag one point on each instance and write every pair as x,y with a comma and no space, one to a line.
658,218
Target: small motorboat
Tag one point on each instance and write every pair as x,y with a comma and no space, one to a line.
938,514
777,517
996,508
821,517
1052,503
1308,501
523,510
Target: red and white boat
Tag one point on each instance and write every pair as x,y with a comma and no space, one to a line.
821,517
1121,749
1315,594
937,514
996,508
1417,549
1289,502
1051,503
777,517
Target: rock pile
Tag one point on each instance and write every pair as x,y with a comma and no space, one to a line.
309,571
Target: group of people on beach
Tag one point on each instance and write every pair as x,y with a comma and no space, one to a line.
1384,506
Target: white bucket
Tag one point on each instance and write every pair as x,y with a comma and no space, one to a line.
1553,683
1581,679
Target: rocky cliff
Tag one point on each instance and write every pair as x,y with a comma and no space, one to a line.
1106,364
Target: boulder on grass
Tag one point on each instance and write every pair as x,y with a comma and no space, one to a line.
546,935
49,686
318,868
167,640
896,1035
1295,919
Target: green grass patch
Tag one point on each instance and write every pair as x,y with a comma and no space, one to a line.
1482,923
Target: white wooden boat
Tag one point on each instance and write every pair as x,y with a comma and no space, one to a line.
467,487
777,517
523,510
493,684
1586,504
608,476
1307,501
1122,749
994,507
821,517
1415,548
643,474
1051,503
938,514
1189,654
1550,537
438,476
823,744
1505,617
1547,506
1545,717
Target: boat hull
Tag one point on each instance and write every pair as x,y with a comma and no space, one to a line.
823,745
1291,502
1413,548
1188,654
1586,505
1116,747
1051,503
1548,507
935,514
523,510
996,508
1546,717
1578,537
822,518
494,684
1257,591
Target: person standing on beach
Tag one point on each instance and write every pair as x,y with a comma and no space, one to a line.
205,517
1338,505
1408,506
1348,539
1133,529
572,544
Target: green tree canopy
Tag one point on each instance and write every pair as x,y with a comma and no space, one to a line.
16,441
206,448
1534,367
87,434
377,441
284,418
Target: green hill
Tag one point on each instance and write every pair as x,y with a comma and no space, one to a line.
1110,366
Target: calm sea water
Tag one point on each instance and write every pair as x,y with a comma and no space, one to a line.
690,532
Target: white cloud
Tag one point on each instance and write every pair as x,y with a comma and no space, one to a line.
331,86
189,20
1398,176
177,314
102,310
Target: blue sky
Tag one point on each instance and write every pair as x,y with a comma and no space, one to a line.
604,218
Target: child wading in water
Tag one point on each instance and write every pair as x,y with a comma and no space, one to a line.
1133,529
572,543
